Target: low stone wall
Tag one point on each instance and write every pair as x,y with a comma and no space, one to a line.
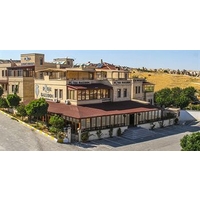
105,133
158,124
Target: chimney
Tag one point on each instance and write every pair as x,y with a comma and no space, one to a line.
101,61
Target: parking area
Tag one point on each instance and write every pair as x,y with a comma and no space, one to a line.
167,139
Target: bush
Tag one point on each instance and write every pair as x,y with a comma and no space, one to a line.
53,130
3,103
99,134
85,136
60,140
111,132
119,132
57,122
191,142
176,121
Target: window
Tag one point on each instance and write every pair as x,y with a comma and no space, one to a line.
99,94
68,62
125,92
95,94
79,95
41,61
87,95
83,94
88,123
61,94
56,93
139,89
91,94
93,122
118,93
2,73
13,88
103,121
16,88
20,73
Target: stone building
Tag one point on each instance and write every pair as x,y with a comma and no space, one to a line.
98,97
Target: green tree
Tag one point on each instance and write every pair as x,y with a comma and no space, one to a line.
3,103
191,142
190,92
37,108
13,100
21,111
1,91
163,97
57,122
181,101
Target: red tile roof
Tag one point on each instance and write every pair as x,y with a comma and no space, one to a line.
97,110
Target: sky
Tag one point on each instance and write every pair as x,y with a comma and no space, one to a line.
151,59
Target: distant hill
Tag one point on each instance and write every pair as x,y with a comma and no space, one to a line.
163,80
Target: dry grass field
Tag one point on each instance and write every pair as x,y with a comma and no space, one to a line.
163,80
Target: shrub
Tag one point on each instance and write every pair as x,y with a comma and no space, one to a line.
53,130
191,142
176,121
60,140
57,122
99,134
85,136
111,132
119,132
3,103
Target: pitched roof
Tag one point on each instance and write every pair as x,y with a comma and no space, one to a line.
97,110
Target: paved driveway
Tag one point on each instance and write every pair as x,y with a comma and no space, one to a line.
138,139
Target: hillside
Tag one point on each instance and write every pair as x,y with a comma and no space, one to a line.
163,80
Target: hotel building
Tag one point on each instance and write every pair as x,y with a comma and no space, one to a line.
89,97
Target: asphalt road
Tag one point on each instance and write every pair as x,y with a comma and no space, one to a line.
16,137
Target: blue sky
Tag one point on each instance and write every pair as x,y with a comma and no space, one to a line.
173,59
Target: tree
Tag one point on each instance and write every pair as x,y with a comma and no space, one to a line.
190,92
163,97
37,108
1,91
21,111
176,96
181,101
57,122
191,142
13,100
3,103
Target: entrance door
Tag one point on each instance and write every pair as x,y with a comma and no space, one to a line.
132,119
